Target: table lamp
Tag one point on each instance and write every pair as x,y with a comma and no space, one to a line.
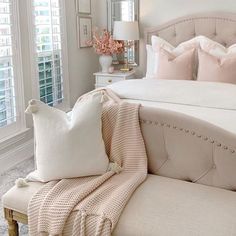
126,31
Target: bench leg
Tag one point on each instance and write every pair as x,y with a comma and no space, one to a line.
13,229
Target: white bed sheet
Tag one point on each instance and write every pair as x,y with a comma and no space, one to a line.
225,119
211,102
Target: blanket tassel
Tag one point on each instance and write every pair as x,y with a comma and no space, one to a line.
115,167
100,226
21,183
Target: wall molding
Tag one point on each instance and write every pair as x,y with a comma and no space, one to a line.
16,155
13,139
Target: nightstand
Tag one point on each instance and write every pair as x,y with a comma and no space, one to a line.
105,79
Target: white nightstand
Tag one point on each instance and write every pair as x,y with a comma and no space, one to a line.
104,79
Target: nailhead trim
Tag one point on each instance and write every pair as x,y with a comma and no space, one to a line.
193,133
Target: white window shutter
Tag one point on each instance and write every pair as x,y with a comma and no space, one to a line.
11,84
49,49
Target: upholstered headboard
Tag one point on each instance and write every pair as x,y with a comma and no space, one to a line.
220,27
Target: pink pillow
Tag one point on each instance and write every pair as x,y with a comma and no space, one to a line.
215,69
174,67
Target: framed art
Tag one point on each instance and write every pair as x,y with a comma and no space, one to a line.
84,25
83,7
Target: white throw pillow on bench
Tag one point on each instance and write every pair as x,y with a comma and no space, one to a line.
68,147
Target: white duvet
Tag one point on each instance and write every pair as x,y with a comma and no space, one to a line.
212,102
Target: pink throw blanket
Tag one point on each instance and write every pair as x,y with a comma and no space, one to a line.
97,202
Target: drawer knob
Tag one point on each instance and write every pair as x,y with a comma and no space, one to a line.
110,81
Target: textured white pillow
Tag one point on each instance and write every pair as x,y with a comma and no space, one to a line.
68,147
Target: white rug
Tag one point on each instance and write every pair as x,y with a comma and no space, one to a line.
7,180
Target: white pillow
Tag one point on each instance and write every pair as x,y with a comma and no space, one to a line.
152,62
68,147
158,43
216,49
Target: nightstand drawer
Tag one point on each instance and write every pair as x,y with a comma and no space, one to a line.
106,80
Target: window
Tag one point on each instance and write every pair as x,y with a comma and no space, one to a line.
11,96
128,14
49,50
127,11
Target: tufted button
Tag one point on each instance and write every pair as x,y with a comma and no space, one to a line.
188,180
156,123
232,151
218,144
214,166
225,148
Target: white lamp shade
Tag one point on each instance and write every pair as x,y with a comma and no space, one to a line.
126,30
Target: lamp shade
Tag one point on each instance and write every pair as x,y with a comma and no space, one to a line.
126,30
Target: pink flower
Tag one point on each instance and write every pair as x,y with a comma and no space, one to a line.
103,43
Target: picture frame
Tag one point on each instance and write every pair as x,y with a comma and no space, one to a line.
84,30
83,7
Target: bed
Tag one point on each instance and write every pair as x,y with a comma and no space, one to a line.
211,102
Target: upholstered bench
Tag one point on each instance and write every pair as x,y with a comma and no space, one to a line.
180,149
161,206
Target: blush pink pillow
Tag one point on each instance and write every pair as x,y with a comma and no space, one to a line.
174,67
215,69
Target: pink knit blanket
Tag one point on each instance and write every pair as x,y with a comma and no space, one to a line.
96,202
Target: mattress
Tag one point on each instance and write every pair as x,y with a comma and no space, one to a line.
209,101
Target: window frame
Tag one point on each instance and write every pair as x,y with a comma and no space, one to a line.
20,124
65,105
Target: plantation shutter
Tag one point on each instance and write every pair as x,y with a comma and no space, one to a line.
10,70
48,48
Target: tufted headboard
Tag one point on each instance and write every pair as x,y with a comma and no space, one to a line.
220,27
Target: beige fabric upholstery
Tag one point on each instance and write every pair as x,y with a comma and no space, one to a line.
168,207
17,199
185,148
161,206
220,27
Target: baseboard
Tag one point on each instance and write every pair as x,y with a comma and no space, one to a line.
16,155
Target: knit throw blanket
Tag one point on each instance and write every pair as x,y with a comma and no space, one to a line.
97,202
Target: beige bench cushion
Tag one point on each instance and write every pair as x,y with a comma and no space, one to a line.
17,199
168,207
164,207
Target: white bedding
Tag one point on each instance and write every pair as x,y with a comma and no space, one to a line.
212,102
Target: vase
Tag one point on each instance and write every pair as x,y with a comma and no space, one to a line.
105,62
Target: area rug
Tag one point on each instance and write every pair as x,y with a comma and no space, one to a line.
7,180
